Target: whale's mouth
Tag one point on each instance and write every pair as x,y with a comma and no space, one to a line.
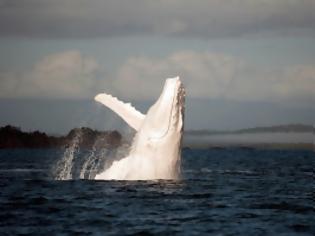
168,108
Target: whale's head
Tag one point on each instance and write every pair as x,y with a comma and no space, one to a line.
165,119
159,138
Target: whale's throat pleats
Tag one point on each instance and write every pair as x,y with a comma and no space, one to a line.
160,115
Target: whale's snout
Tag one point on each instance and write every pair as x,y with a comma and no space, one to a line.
167,113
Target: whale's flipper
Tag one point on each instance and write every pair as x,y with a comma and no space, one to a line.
133,117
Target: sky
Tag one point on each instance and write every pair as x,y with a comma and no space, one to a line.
244,63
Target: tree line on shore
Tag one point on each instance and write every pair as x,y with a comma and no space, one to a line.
14,137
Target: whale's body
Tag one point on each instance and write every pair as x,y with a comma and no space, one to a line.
155,151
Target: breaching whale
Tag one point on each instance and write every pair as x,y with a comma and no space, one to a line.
155,150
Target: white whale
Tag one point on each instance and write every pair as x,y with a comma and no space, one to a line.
155,151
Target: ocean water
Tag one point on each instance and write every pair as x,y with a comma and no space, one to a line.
221,192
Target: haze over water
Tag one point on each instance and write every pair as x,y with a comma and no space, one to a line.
249,139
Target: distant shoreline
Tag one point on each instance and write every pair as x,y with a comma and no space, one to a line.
269,137
295,128
14,138
261,146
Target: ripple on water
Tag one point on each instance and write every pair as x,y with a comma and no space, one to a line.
221,192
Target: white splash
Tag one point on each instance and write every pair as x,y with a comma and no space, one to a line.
78,163
155,152
63,170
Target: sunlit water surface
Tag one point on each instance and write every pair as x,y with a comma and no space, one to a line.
221,192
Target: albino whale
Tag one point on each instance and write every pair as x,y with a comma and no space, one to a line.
155,151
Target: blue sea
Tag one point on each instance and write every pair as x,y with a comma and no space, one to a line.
223,191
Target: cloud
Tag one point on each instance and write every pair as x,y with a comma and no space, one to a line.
212,75
70,74
205,74
67,74
182,18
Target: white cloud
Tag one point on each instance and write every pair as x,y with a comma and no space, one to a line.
70,74
300,79
67,74
205,74
212,75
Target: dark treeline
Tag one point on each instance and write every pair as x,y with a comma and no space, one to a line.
14,137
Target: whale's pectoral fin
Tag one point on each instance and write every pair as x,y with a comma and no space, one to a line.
126,111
